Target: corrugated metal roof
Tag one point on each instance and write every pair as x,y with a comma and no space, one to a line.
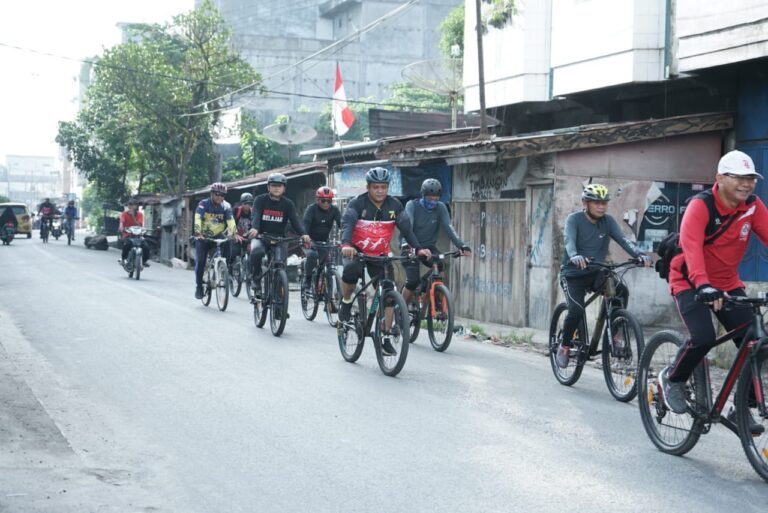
292,171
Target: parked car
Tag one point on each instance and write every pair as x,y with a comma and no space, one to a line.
22,216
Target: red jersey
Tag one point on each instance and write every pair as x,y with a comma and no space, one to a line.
127,220
717,263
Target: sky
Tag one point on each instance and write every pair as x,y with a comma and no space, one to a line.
38,91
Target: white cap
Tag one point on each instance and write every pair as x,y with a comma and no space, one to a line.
737,163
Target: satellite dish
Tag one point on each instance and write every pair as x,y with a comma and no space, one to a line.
440,76
289,133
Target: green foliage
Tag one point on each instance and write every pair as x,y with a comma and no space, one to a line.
260,153
91,207
408,97
360,130
4,199
476,330
499,13
452,31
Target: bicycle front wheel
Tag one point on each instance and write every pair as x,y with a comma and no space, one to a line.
392,344
278,312
309,301
222,284
621,355
753,440
351,335
236,277
440,321
333,296
568,375
670,432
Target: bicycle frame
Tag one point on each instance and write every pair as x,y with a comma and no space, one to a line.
432,278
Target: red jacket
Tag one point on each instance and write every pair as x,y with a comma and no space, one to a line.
127,220
718,263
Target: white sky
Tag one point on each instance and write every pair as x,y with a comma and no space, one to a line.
37,91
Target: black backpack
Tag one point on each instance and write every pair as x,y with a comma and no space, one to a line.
669,246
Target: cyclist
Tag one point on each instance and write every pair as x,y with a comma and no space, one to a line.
586,238
703,274
132,217
319,219
271,213
242,214
70,214
46,210
427,215
367,226
213,217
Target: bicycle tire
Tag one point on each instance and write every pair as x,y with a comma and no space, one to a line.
137,264
755,447
44,233
278,311
414,314
333,297
440,325
622,355
309,302
69,237
236,277
207,292
569,375
392,365
670,432
222,284
351,340
260,307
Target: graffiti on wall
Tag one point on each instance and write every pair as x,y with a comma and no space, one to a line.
483,182
476,285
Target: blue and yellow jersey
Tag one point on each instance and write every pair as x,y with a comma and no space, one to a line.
211,219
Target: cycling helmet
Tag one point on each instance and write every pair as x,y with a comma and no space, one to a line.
278,178
71,203
377,175
246,197
219,188
595,192
431,187
324,193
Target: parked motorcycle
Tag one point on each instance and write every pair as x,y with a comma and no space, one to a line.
134,262
7,233
56,227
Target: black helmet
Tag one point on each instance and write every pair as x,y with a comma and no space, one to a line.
431,187
246,197
377,175
278,178
71,203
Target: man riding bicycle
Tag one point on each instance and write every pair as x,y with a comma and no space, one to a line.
708,270
587,235
70,214
213,217
46,210
132,217
319,219
367,227
427,216
242,214
271,213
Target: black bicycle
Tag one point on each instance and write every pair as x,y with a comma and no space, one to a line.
677,434
325,286
386,321
622,337
274,285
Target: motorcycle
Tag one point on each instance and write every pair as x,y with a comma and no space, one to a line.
134,262
7,233
56,227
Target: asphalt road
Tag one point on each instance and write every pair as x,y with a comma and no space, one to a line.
129,396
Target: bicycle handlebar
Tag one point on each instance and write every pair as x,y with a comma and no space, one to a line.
634,262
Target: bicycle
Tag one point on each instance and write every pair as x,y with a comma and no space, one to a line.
433,302
622,337
325,286
352,334
677,434
69,228
238,273
215,276
45,230
274,286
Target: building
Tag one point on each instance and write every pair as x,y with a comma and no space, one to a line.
30,179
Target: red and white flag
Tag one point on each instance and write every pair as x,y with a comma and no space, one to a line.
343,118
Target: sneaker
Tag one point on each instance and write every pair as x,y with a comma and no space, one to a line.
199,292
674,393
345,312
386,347
563,356
755,428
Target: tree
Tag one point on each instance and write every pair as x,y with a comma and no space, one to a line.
499,13
409,97
360,130
4,199
452,32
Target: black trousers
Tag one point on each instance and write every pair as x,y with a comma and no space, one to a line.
314,255
575,289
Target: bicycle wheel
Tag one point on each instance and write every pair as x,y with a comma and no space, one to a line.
440,324
670,432
207,282
236,277
44,232
621,355
309,301
391,365
247,278
414,314
278,311
352,335
569,375
333,296
222,284
69,237
748,413
137,264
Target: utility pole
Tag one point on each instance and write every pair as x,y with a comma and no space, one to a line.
480,68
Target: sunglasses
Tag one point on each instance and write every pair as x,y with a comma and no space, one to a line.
326,201
218,194
745,178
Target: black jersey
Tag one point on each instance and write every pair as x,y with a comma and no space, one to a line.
319,222
272,216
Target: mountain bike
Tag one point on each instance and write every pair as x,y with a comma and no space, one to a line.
215,275
274,285
433,303
677,434
325,286
238,271
622,337
375,321
69,229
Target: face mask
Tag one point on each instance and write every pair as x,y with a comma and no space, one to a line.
429,205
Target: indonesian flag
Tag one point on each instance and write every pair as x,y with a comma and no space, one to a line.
343,118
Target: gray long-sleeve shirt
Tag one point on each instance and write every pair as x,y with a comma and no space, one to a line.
591,240
426,225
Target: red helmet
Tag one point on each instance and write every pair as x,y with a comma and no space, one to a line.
324,193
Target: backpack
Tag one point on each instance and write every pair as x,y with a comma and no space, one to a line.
669,246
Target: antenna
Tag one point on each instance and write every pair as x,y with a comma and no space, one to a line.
440,76
288,133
